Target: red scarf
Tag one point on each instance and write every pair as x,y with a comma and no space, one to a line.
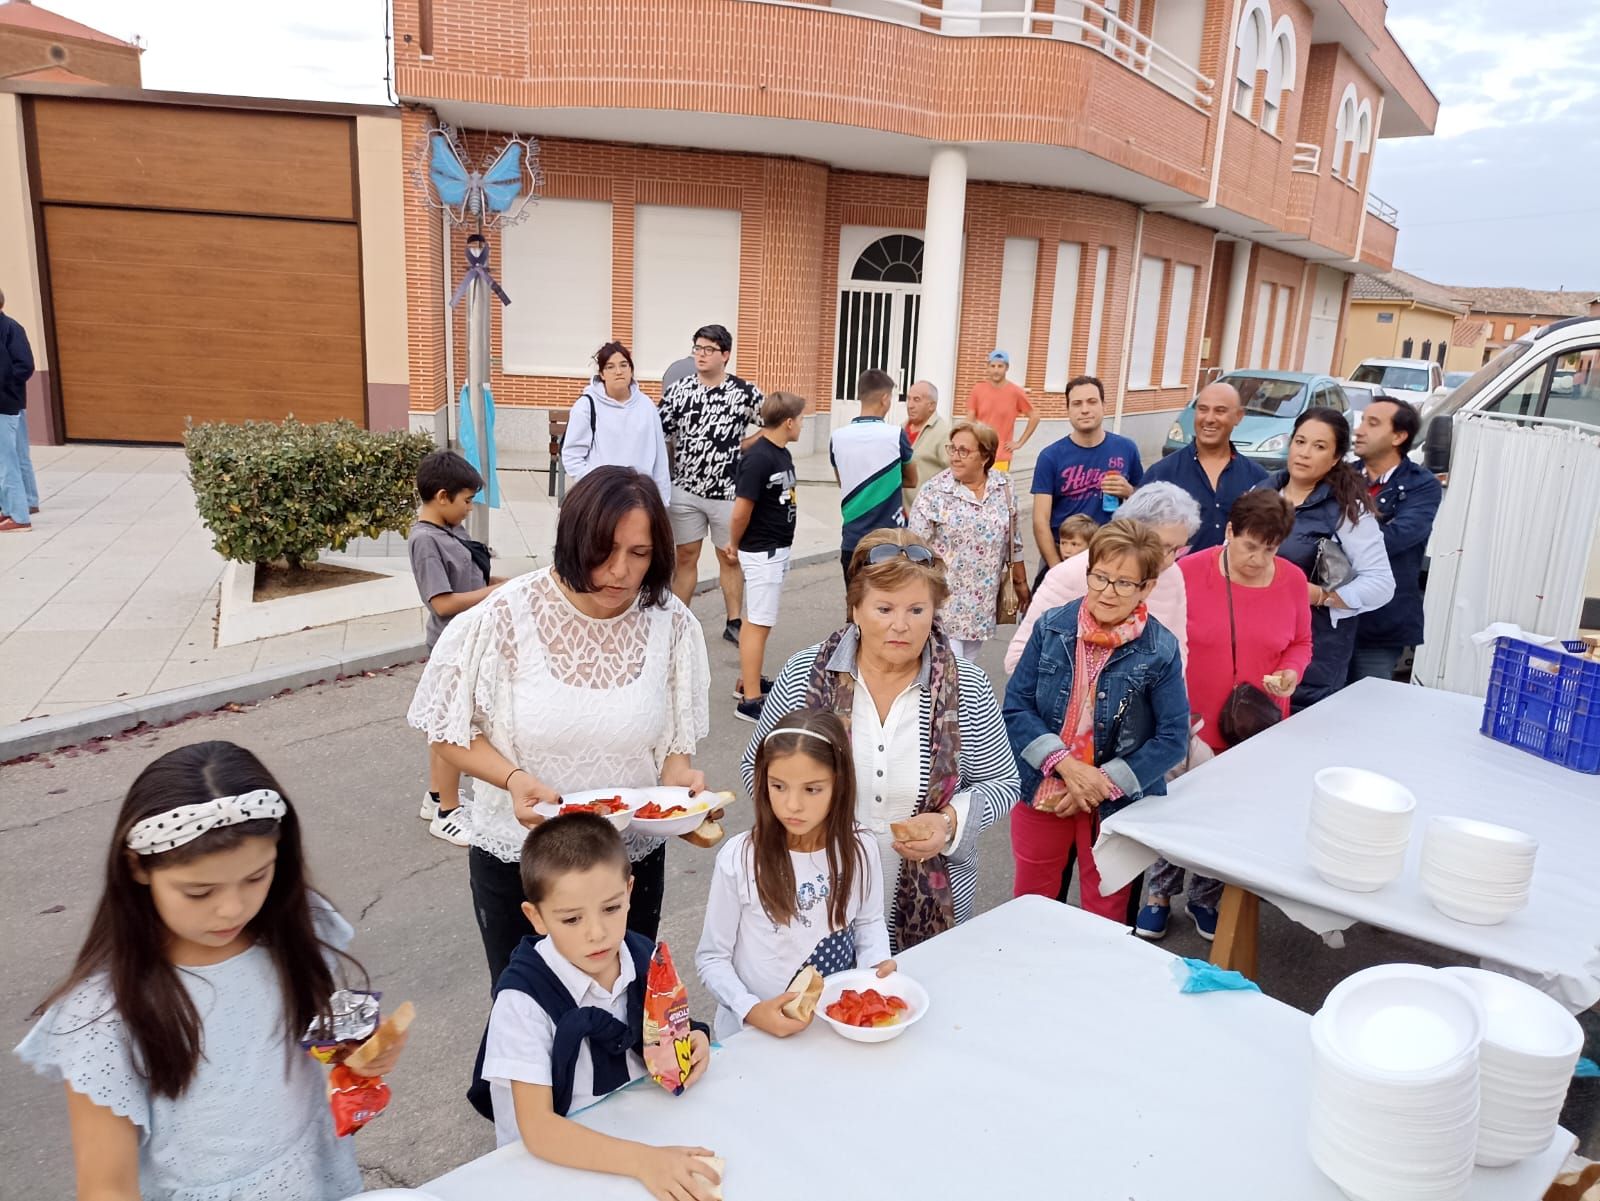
1096,644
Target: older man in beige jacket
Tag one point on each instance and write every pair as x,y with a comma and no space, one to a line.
928,433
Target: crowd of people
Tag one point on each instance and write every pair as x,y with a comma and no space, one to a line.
1177,611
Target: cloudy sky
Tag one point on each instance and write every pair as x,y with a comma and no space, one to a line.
1507,191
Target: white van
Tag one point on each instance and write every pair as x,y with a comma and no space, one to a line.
1552,373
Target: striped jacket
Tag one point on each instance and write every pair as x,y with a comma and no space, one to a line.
987,770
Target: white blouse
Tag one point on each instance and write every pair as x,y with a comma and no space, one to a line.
581,702
745,957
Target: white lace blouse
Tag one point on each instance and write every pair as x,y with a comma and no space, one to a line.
581,702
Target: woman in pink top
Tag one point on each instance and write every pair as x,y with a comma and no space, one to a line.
1272,629
1175,517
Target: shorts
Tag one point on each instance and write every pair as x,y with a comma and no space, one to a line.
764,571
691,515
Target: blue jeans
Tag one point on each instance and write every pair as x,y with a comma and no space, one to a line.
1374,662
19,491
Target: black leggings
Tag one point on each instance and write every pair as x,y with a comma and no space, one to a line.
497,903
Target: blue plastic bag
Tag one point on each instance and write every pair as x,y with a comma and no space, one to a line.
1196,975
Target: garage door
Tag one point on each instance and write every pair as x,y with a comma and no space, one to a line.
161,318
202,264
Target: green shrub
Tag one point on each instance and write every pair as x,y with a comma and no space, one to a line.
285,490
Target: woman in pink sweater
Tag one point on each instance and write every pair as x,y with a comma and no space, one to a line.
1271,635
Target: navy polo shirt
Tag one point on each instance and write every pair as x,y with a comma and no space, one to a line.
1182,467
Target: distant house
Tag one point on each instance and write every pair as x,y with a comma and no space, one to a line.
1498,316
1398,315
39,46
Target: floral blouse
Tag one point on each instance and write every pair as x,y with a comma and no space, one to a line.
972,536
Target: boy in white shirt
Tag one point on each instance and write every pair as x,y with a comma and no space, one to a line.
542,1066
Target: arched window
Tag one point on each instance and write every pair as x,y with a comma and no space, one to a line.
1406,348
895,259
1248,47
1344,135
1278,70
1427,348
1361,140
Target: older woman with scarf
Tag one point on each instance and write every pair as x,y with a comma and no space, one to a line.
1097,714
933,769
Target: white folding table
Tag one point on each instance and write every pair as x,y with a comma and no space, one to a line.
1057,1058
1242,818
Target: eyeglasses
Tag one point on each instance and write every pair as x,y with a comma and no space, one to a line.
958,452
1098,581
888,550
1174,553
700,348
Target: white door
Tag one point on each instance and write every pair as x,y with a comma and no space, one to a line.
1323,331
880,301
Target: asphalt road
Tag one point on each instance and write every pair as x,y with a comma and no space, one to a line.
355,772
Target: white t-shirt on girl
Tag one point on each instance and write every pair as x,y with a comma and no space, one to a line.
254,1123
744,957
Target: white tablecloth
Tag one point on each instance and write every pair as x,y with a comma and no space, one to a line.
1057,1058
1242,818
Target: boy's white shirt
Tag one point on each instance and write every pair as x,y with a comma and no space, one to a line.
522,1036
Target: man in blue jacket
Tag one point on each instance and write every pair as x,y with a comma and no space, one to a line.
1407,497
19,492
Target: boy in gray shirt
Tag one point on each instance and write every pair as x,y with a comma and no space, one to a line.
452,574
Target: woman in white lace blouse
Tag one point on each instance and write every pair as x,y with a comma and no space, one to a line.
585,674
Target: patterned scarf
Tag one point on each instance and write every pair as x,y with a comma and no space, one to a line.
922,902
1096,644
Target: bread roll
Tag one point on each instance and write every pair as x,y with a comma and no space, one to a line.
903,831
707,834
808,983
391,1028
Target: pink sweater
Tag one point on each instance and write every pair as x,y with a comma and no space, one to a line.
1065,583
1274,625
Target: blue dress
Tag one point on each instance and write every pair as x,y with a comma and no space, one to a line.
254,1123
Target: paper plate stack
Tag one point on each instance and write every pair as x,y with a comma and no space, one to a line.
1394,1102
1476,872
1530,1048
1360,825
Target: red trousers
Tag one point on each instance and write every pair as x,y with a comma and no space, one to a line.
1041,844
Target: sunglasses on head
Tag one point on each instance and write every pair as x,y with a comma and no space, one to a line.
889,550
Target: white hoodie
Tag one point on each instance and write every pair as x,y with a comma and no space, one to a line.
629,435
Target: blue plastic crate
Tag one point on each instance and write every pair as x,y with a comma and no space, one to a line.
1545,701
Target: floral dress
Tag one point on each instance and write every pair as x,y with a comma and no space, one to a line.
977,539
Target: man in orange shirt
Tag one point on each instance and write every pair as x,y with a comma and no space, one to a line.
997,402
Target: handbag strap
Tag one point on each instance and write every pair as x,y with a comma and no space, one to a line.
1233,632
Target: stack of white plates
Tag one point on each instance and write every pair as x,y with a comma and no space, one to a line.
1475,872
1529,1050
1394,1103
1360,825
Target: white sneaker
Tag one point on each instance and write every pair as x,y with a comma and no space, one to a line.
451,827
430,807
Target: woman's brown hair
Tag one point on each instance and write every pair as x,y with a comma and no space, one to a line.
893,573
603,356
586,530
1120,537
127,939
984,435
819,735
1264,514
1343,480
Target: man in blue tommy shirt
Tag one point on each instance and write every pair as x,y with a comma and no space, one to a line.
1089,471
1209,469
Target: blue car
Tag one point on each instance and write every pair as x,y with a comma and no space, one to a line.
1272,400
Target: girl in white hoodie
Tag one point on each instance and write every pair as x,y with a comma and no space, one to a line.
614,422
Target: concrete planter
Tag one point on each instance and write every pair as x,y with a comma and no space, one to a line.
241,618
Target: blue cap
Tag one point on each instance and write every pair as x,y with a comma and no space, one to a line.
1001,355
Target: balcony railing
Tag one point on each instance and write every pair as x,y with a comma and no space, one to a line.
1382,210
1307,158
1091,24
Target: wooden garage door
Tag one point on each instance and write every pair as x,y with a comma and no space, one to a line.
161,317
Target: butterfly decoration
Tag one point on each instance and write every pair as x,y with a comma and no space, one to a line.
486,197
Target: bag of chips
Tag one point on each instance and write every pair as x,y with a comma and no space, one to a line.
666,1023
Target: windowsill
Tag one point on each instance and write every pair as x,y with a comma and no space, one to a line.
548,372
426,58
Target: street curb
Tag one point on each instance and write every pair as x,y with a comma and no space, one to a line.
43,734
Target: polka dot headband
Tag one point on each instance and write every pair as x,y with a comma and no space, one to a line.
172,829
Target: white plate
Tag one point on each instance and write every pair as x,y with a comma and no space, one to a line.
631,797
671,827
1402,1019
1363,790
1524,1021
896,984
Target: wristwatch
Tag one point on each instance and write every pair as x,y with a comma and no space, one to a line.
950,824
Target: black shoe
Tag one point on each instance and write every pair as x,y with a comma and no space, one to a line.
730,632
738,687
749,710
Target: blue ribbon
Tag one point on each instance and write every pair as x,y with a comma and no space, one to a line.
478,268
468,436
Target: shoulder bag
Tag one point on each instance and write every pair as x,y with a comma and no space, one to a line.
1248,709
1007,605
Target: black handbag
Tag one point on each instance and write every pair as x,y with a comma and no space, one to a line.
1248,709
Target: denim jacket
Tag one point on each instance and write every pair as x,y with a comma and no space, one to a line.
1141,708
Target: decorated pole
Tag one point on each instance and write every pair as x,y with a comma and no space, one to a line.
478,288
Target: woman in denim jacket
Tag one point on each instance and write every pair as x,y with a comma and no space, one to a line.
1097,713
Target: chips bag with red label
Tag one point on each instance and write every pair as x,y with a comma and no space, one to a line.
356,1099
666,1023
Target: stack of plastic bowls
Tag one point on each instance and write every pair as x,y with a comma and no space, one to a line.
1360,825
1476,872
1529,1050
1394,1104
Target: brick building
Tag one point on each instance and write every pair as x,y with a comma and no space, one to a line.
1497,317
1150,197
39,46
